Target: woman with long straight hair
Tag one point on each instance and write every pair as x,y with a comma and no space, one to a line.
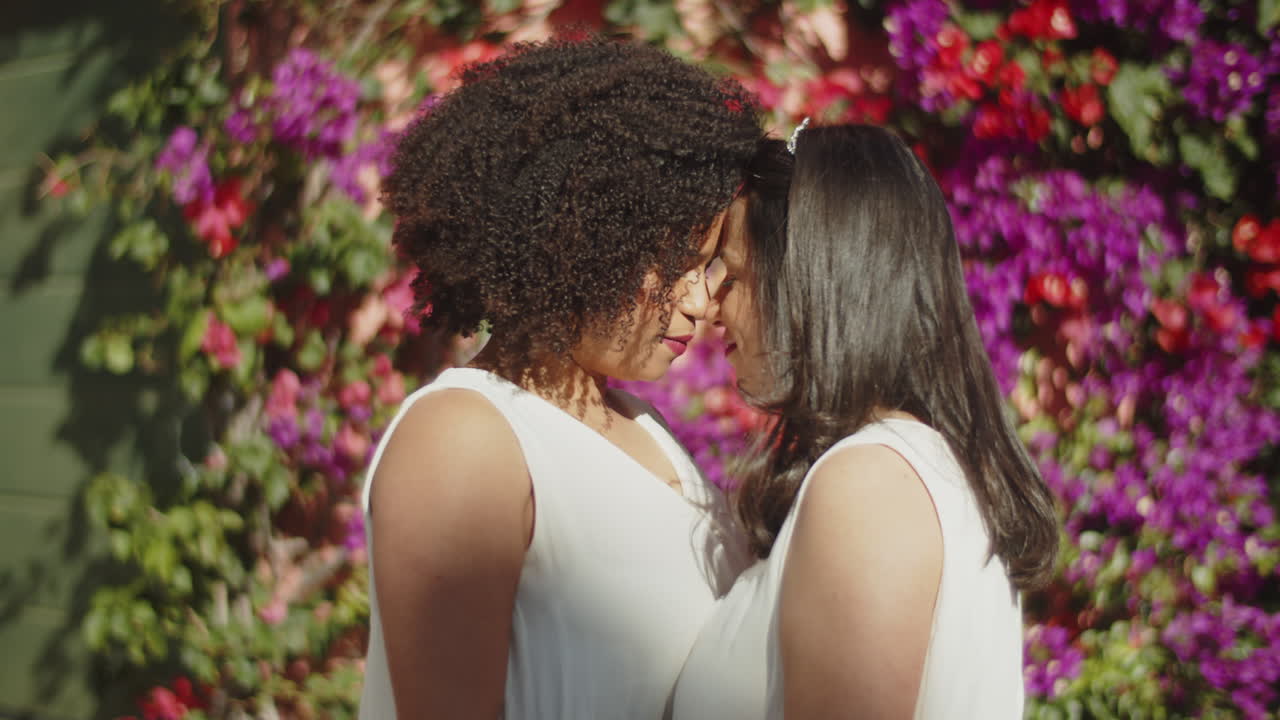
894,514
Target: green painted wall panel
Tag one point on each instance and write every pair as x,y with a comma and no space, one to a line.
54,686
31,420
45,549
37,241
42,324
58,87
60,424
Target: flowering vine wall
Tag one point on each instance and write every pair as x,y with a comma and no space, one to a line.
1112,169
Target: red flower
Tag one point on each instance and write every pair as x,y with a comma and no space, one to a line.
215,219
1035,122
1244,233
985,63
163,704
1173,336
874,110
1265,247
1104,67
989,122
837,85
951,42
1258,282
1043,19
1056,290
1051,59
55,185
1254,335
963,86
1205,293
1012,76
1083,105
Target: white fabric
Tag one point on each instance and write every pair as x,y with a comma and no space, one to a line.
617,580
974,664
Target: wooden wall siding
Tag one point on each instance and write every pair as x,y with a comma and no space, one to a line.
59,61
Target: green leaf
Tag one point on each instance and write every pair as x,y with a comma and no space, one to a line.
117,353
500,7
159,557
320,280
193,336
1211,159
248,317
1238,134
1137,97
655,18
121,543
193,378
313,352
276,485
182,520
978,25
1268,15
143,242
362,264
91,352
281,330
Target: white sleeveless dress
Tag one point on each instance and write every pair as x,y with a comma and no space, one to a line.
619,576
973,668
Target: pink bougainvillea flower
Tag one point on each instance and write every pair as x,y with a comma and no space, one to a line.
214,219
366,321
282,401
391,389
399,299
274,613
163,704
54,185
354,394
352,443
220,344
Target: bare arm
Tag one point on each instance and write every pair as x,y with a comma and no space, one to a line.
859,589
452,514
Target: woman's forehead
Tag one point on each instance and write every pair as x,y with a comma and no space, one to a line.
733,234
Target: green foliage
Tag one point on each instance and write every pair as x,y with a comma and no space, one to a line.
1137,97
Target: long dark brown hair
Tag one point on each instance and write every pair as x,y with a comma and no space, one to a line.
864,309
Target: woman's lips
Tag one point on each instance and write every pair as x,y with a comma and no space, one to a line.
730,348
677,344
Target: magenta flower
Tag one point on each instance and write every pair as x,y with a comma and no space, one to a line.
186,161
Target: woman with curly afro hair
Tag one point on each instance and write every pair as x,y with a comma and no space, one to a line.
541,546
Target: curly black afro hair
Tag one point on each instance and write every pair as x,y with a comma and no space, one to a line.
539,194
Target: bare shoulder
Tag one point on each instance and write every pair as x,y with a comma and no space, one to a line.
871,484
452,516
456,448
858,590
